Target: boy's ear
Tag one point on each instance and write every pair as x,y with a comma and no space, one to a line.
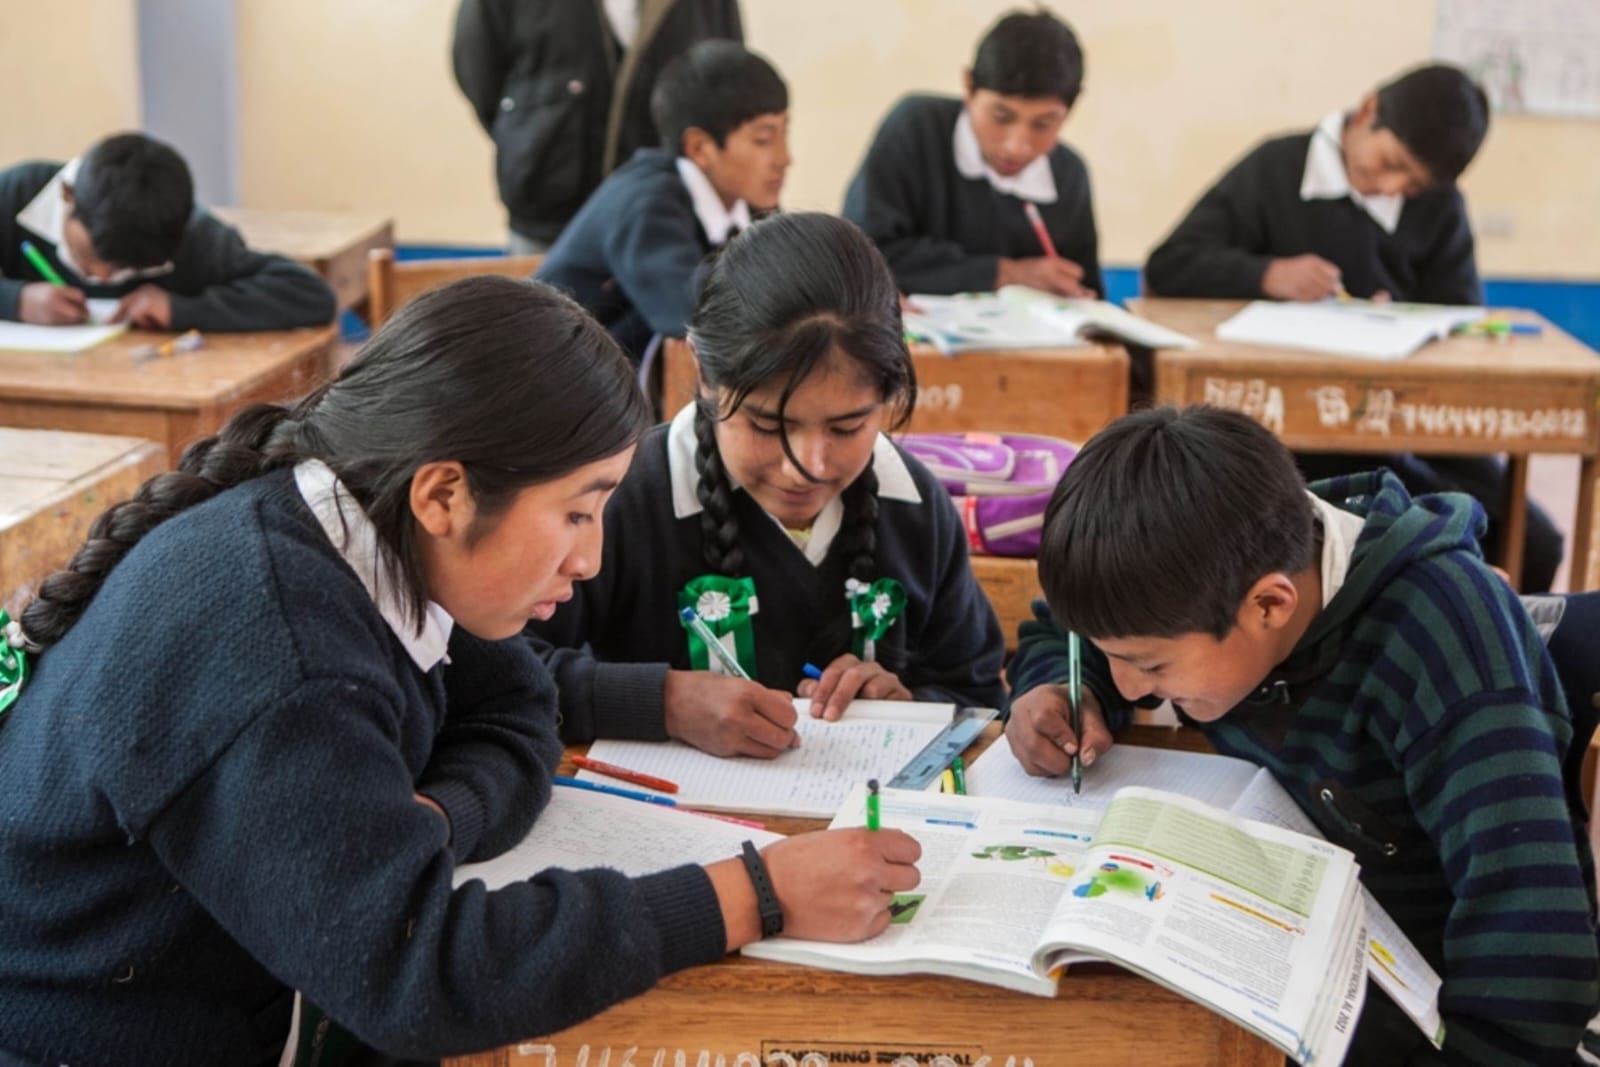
1270,604
440,499
966,85
67,196
1366,114
699,146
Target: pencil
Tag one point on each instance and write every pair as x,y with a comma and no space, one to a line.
1075,704
42,265
1031,209
611,770
947,781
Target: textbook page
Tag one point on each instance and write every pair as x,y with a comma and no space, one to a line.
581,829
1254,921
1086,318
1353,328
992,873
968,322
1218,780
26,337
873,739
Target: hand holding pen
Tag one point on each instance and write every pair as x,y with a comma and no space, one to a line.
1075,703
51,302
1041,731
727,714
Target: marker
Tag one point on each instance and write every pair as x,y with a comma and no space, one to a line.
812,671
184,342
958,770
1031,209
611,770
693,621
596,787
1075,704
41,264
874,816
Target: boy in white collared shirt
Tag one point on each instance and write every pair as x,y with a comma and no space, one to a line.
631,256
947,186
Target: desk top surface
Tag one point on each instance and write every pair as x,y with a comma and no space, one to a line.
112,375
37,465
1551,353
306,236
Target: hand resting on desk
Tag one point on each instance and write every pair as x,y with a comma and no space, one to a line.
847,678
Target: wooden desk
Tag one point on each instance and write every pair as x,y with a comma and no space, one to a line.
1011,585
753,1013
1059,392
52,486
332,243
171,401
1464,395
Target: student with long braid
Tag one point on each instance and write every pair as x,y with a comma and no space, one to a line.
278,696
776,507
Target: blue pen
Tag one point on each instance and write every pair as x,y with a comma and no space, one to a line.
812,671
631,794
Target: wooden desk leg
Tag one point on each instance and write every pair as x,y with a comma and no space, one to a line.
1585,570
1515,532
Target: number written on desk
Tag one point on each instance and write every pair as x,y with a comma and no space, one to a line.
939,397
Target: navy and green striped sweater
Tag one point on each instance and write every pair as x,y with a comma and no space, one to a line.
1425,730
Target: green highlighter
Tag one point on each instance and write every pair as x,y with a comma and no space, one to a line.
42,265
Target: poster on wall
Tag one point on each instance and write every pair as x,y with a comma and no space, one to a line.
1533,57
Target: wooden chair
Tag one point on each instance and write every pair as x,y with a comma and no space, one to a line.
391,284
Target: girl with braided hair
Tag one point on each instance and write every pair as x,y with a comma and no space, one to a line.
776,507
280,694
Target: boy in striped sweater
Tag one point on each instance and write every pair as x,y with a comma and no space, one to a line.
1351,640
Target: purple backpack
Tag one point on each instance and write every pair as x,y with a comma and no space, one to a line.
1001,483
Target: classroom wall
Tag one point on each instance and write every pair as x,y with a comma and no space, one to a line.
72,74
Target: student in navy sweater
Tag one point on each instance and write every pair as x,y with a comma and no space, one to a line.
282,694
776,507
631,254
1367,203
121,221
1351,640
945,183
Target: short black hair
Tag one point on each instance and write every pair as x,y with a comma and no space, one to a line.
1164,521
1440,115
134,195
716,86
1030,55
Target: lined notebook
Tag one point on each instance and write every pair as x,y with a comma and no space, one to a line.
1356,328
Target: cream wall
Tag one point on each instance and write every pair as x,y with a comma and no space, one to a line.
72,75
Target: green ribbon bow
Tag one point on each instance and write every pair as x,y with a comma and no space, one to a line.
873,609
725,605
13,667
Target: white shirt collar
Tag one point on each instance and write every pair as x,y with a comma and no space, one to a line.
716,220
1034,182
1340,529
624,18
1325,176
894,482
356,540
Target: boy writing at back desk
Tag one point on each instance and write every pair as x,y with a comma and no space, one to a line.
950,188
1366,204
1351,640
121,222
631,255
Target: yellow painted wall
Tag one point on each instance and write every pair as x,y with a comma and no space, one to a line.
71,72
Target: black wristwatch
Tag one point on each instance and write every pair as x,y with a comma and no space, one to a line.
766,897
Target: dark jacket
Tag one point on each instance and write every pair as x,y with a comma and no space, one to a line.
562,101
217,283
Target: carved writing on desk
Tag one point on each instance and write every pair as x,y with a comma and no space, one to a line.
1379,413
773,1054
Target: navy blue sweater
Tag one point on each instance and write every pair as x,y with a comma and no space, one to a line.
630,255
945,233
208,803
1254,214
216,284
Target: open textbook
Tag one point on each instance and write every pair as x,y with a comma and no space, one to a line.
1243,789
1349,328
1019,317
873,739
1260,924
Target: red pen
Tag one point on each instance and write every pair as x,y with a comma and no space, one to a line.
728,818
611,770
1031,209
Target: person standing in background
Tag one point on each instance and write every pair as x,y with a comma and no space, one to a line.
563,89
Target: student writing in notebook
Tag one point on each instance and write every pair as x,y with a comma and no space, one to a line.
121,221
946,183
278,696
775,506
631,254
1350,639
1366,203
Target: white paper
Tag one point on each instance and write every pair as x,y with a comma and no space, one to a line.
1218,780
26,337
1355,328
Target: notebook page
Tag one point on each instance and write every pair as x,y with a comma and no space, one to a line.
1370,331
1217,780
26,337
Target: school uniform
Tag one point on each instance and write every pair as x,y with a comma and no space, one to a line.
217,284
631,256
1291,196
209,803
944,219
610,647
1420,724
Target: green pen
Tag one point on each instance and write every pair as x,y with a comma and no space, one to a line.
41,264
1075,705
873,815
958,771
